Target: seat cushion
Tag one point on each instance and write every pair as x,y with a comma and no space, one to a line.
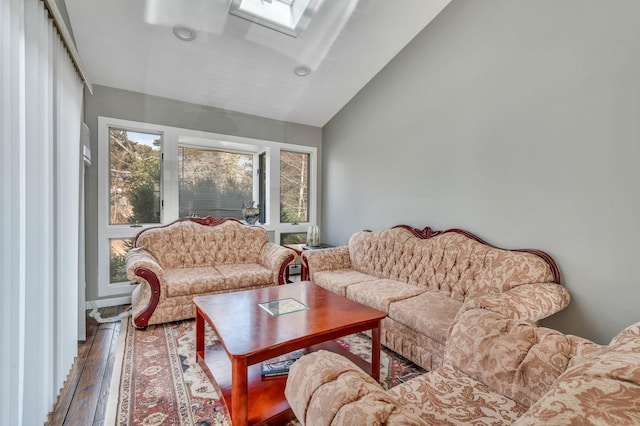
446,396
187,281
430,313
244,275
337,281
381,293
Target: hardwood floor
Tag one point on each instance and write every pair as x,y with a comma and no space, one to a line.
83,401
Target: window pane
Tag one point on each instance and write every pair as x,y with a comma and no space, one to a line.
214,183
293,238
294,187
134,177
118,249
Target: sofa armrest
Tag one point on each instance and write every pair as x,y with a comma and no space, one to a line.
144,269
528,302
329,259
324,388
276,258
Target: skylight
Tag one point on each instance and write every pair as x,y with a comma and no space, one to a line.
287,16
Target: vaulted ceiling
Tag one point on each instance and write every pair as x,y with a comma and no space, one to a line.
238,65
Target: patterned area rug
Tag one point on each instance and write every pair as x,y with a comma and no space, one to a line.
156,380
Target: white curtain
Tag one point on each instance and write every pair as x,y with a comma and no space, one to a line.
68,174
40,128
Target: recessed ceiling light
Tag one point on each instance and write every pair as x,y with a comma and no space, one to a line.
184,32
301,70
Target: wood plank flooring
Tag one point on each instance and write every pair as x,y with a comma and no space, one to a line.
83,401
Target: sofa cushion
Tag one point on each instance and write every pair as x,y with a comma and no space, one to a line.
186,244
244,275
232,242
375,253
381,293
447,396
161,243
515,358
504,269
627,340
190,281
446,263
430,313
337,281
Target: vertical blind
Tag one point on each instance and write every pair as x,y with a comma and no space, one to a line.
40,125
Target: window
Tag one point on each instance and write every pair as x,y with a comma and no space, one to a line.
134,177
287,16
118,248
130,196
294,187
151,174
214,183
293,238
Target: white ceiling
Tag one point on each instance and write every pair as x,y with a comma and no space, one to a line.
237,65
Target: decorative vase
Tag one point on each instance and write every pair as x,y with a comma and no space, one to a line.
250,213
313,236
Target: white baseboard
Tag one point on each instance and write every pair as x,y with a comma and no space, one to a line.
103,303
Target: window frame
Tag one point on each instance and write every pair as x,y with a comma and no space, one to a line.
106,230
171,139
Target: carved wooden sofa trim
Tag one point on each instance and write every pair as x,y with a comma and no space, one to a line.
223,253
427,233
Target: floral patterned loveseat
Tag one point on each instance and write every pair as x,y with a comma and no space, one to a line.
198,256
496,371
423,278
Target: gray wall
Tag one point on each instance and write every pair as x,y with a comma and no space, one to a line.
122,104
518,121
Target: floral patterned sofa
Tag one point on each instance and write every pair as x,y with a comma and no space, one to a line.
198,256
496,371
422,279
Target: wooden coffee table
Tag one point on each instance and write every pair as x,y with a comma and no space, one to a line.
250,335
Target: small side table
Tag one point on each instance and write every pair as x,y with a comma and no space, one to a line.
297,261
299,248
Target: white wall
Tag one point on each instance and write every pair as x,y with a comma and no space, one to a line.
518,121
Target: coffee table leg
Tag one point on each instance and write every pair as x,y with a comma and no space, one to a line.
375,353
199,334
239,392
